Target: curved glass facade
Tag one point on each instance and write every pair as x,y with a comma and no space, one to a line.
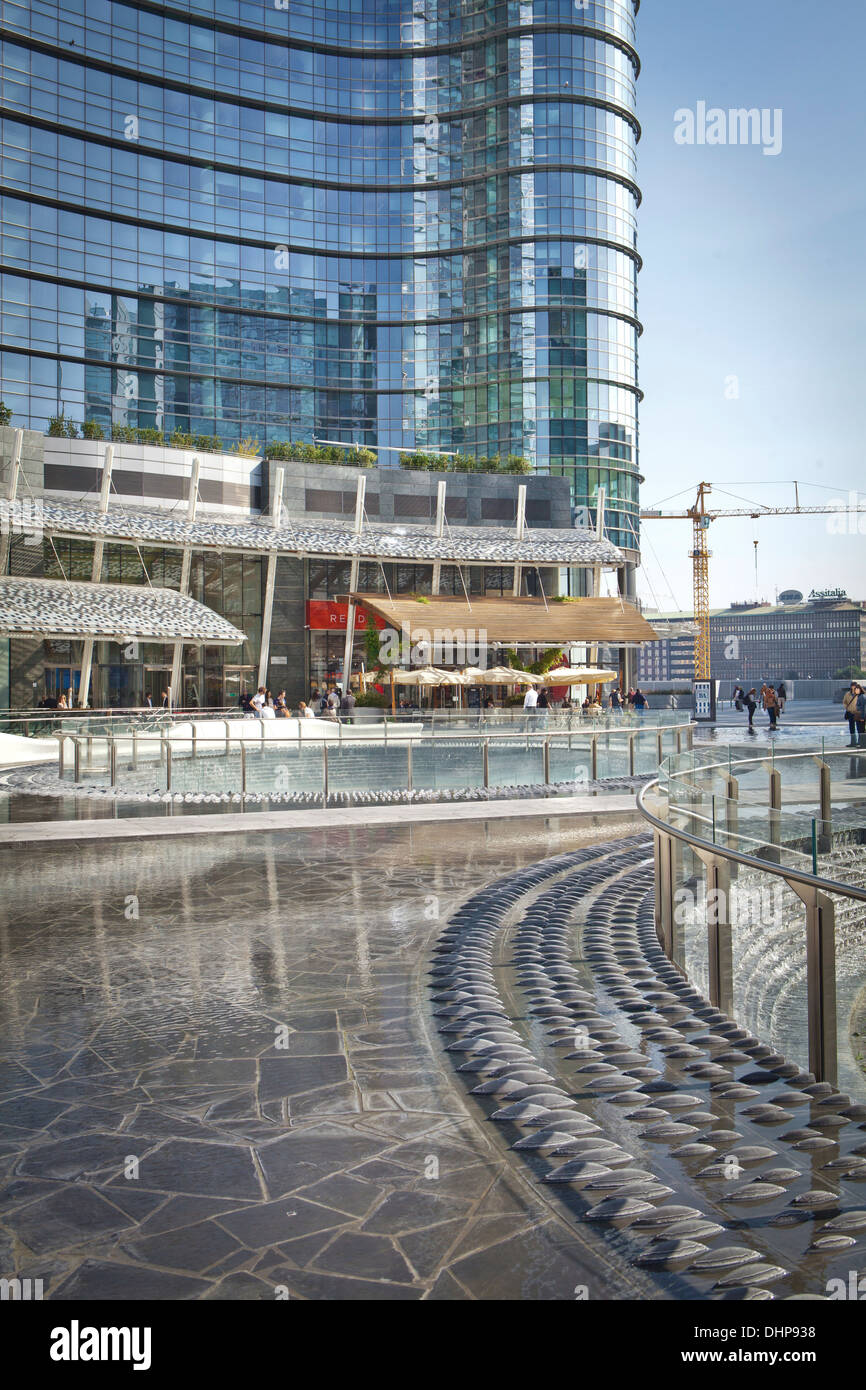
404,223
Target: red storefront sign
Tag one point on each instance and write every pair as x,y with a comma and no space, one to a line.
324,615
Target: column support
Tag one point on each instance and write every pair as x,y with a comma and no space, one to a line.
353,585
95,577
11,494
440,531
174,692
270,579
520,528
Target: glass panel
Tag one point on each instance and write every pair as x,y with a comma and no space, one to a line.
768,939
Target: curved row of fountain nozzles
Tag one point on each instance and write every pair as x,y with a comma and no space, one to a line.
655,997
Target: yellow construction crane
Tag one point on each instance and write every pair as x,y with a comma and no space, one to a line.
700,516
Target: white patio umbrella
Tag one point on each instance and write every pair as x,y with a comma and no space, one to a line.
420,675
578,675
505,675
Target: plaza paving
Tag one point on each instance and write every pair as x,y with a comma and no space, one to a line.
157,1141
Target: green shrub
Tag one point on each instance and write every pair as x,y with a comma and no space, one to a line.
179,439
5,413
372,700
248,448
209,443
91,429
148,434
61,428
123,434
516,463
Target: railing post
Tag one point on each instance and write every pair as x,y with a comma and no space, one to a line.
774,811
90,752
485,762
228,729
666,893
593,758
820,980
408,764
679,734
720,956
167,766
732,819
324,773
243,772
660,748
112,761
61,756
825,798
546,762
194,751
631,744
76,759
135,750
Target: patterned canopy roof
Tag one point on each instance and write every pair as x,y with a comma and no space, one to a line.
490,545
55,608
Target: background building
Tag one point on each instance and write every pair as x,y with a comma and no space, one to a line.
410,225
809,639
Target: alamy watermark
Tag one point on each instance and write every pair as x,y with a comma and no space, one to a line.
713,125
436,646
848,517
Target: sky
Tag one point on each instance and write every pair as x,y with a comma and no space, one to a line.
752,294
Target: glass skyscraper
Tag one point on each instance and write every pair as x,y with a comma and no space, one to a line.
403,223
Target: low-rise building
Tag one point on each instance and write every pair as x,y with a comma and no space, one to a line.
273,548
808,638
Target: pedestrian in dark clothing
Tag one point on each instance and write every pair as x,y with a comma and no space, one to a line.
849,708
861,718
751,703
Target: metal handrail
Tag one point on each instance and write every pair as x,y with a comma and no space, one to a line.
824,885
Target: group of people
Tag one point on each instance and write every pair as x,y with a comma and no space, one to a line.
769,698
328,704
537,703
633,701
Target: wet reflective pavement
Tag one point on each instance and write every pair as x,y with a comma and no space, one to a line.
221,1077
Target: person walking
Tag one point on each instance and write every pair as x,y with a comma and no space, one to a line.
782,695
530,703
771,705
543,708
751,703
738,696
849,711
347,707
640,701
258,702
861,718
